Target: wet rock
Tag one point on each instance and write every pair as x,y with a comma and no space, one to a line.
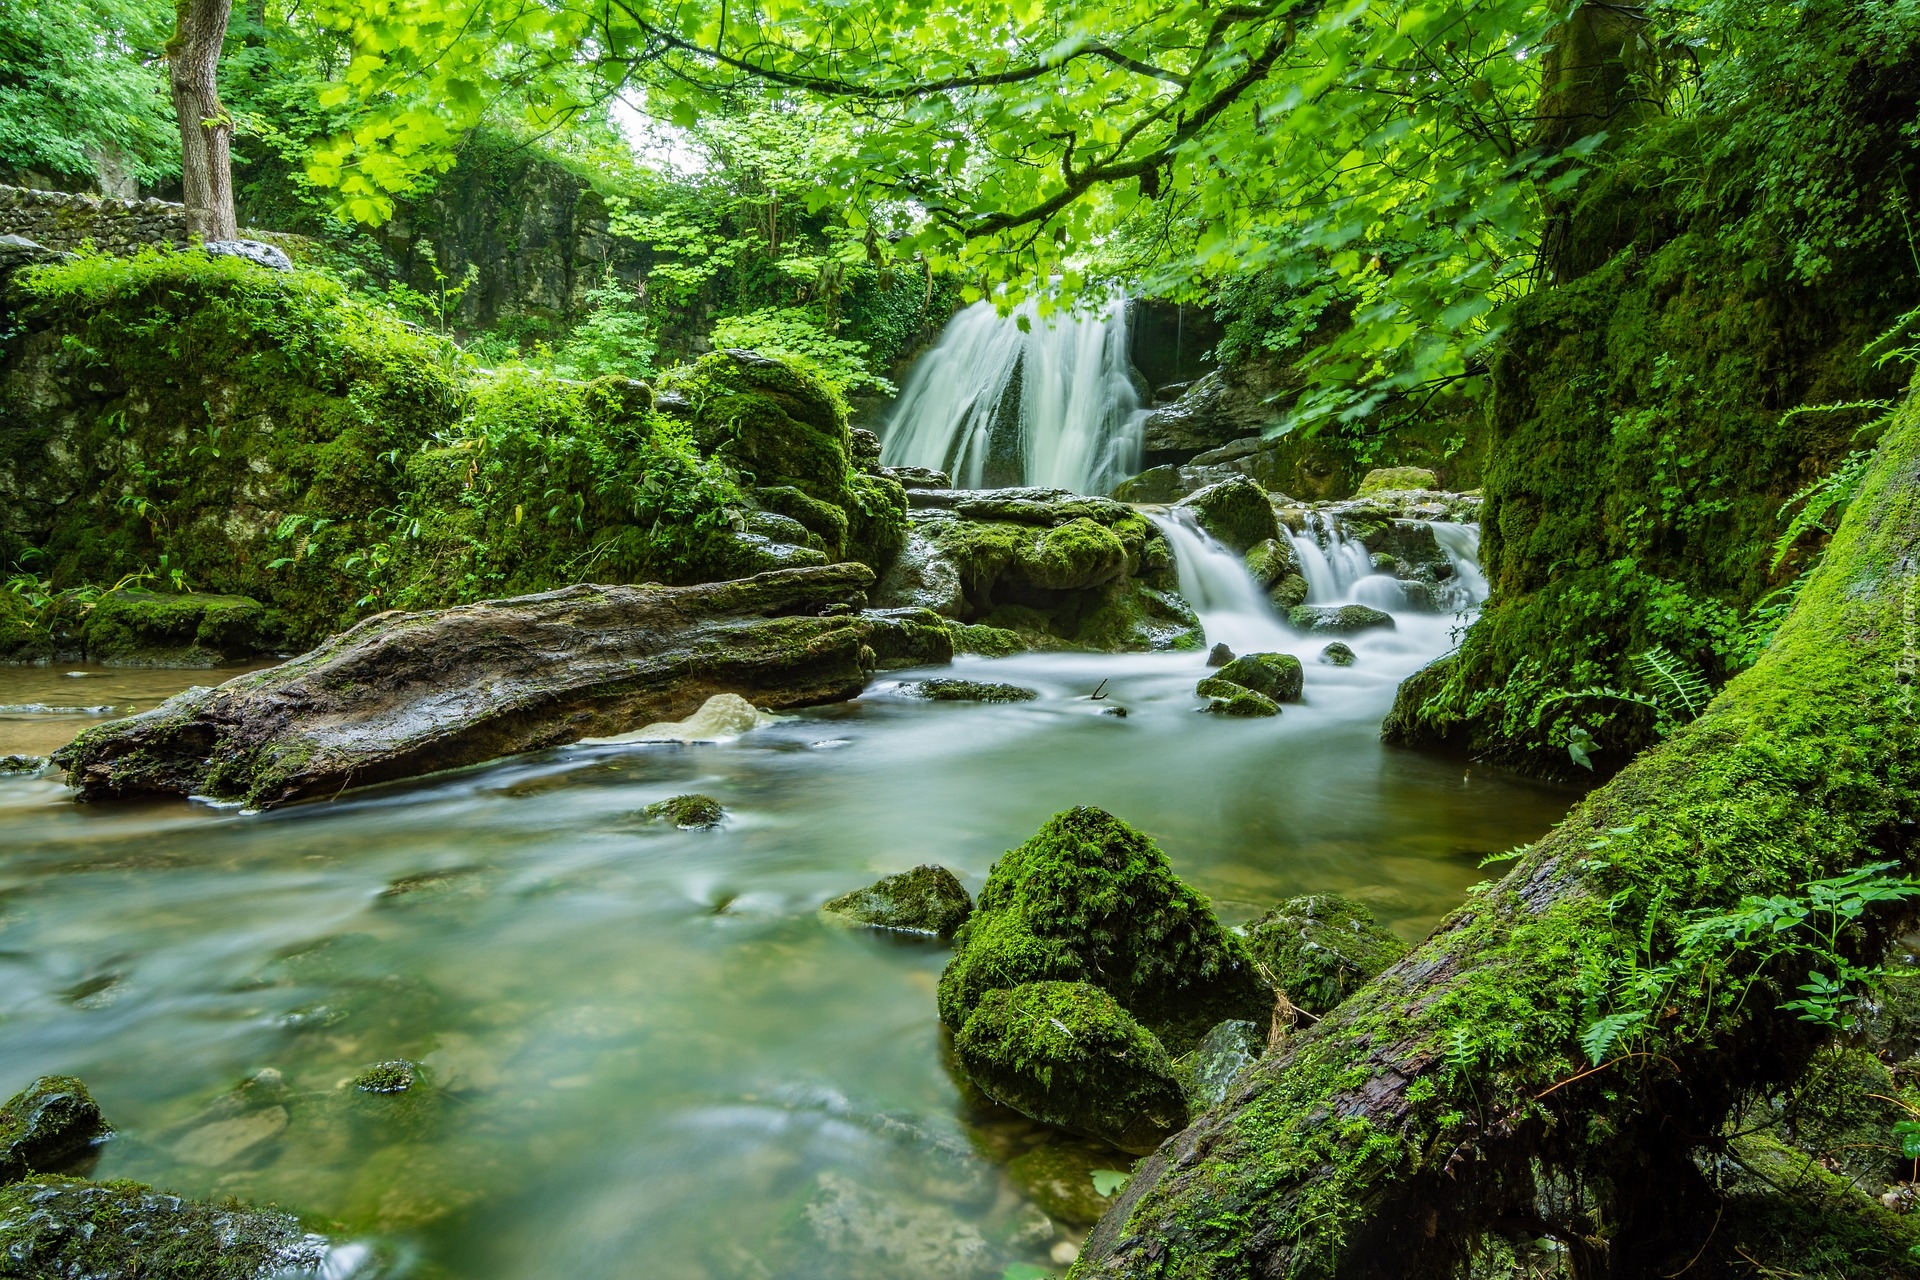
46,1125
1118,712
27,766
1225,698
237,1126
911,478
258,252
1339,620
927,900
907,638
1398,479
1272,560
1337,654
922,577
403,694
1090,899
872,1236
62,1227
443,883
863,449
1222,1054
1236,512
1320,948
1277,675
693,812
1289,592
1058,1175
1067,1054
133,628
1219,656
396,1076
968,691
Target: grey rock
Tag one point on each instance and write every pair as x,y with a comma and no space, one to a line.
918,477
920,577
257,252
1339,620
47,1124
1222,1054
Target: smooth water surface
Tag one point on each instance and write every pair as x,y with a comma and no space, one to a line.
652,1057
41,708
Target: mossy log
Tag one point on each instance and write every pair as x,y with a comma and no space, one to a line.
1450,1101
405,694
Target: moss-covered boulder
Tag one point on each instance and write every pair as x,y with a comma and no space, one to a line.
1288,593
1339,620
1067,1054
1225,698
63,1227
148,628
1338,654
927,900
46,1125
1090,899
1321,947
24,766
1277,675
1398,479
950,690
1236,512
1271,561
693,812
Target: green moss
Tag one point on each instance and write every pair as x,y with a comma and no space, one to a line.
693,812
397,1076
1236,512
928,899
45,1124
1321,948
1272,560
1277,675
1390,479
130,627
1225,698
949,690
1090,899
126,1231
988,642
1338,620
770,420
1067,1054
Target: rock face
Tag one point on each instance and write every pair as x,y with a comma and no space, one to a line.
1067,1054
1236,512
47,1124
1044,568
927,900
1321,948
1089,899
406,694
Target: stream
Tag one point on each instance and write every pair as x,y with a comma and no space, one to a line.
649,1056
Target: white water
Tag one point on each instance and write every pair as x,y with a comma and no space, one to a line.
1079,413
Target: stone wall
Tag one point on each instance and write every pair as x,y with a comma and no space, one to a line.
66,220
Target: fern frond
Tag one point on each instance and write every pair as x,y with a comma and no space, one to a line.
1680,689
1816,500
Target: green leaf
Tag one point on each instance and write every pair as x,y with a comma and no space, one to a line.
1108,1181
1601,1036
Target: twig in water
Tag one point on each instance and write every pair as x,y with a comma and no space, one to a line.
1097,695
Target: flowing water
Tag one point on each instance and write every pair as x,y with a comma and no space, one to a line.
1023,400
651,1057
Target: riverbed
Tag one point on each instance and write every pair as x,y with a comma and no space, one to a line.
649,1055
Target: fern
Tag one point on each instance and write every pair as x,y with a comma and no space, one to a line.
1602,1035
1681,692
1819,499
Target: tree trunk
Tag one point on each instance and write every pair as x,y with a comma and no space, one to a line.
206,170
1451,1099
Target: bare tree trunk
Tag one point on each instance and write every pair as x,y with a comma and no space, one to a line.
206,170
1453,1097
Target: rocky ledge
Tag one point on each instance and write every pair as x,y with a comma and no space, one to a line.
404,694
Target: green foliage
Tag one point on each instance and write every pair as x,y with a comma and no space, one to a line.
796,334
614,337
82,90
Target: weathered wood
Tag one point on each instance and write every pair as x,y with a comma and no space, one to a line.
404,694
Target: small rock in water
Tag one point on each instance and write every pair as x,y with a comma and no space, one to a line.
1338,654
1059,1176
396,1076
1229,699
1065,1252
968,691
1114,711
23,764
1277,675
46,1124
1339,620
1219,656
689,812
927,900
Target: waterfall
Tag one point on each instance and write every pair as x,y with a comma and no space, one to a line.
1052,405
1215,581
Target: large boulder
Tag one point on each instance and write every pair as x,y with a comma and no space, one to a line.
1090,899
1398,480
1236,512
928,900
1338,620
46,1125
1067,1054
1277,675
410,693
1320,948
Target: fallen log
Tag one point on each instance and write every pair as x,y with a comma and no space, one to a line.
1560,1058
404,694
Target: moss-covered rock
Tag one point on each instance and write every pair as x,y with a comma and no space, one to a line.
147,628
1272,561
949,690
771,420
125,1231
1236,512
1338,620
46,1125
1277,675
907,638
1090,899
1338,654
1067,1054
1225,698
24,766
1321,947
693,812
928,900
1288,593
1397,479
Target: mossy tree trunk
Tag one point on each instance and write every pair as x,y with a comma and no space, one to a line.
1451,1099
206,131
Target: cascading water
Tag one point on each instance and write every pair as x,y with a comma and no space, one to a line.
1054,404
